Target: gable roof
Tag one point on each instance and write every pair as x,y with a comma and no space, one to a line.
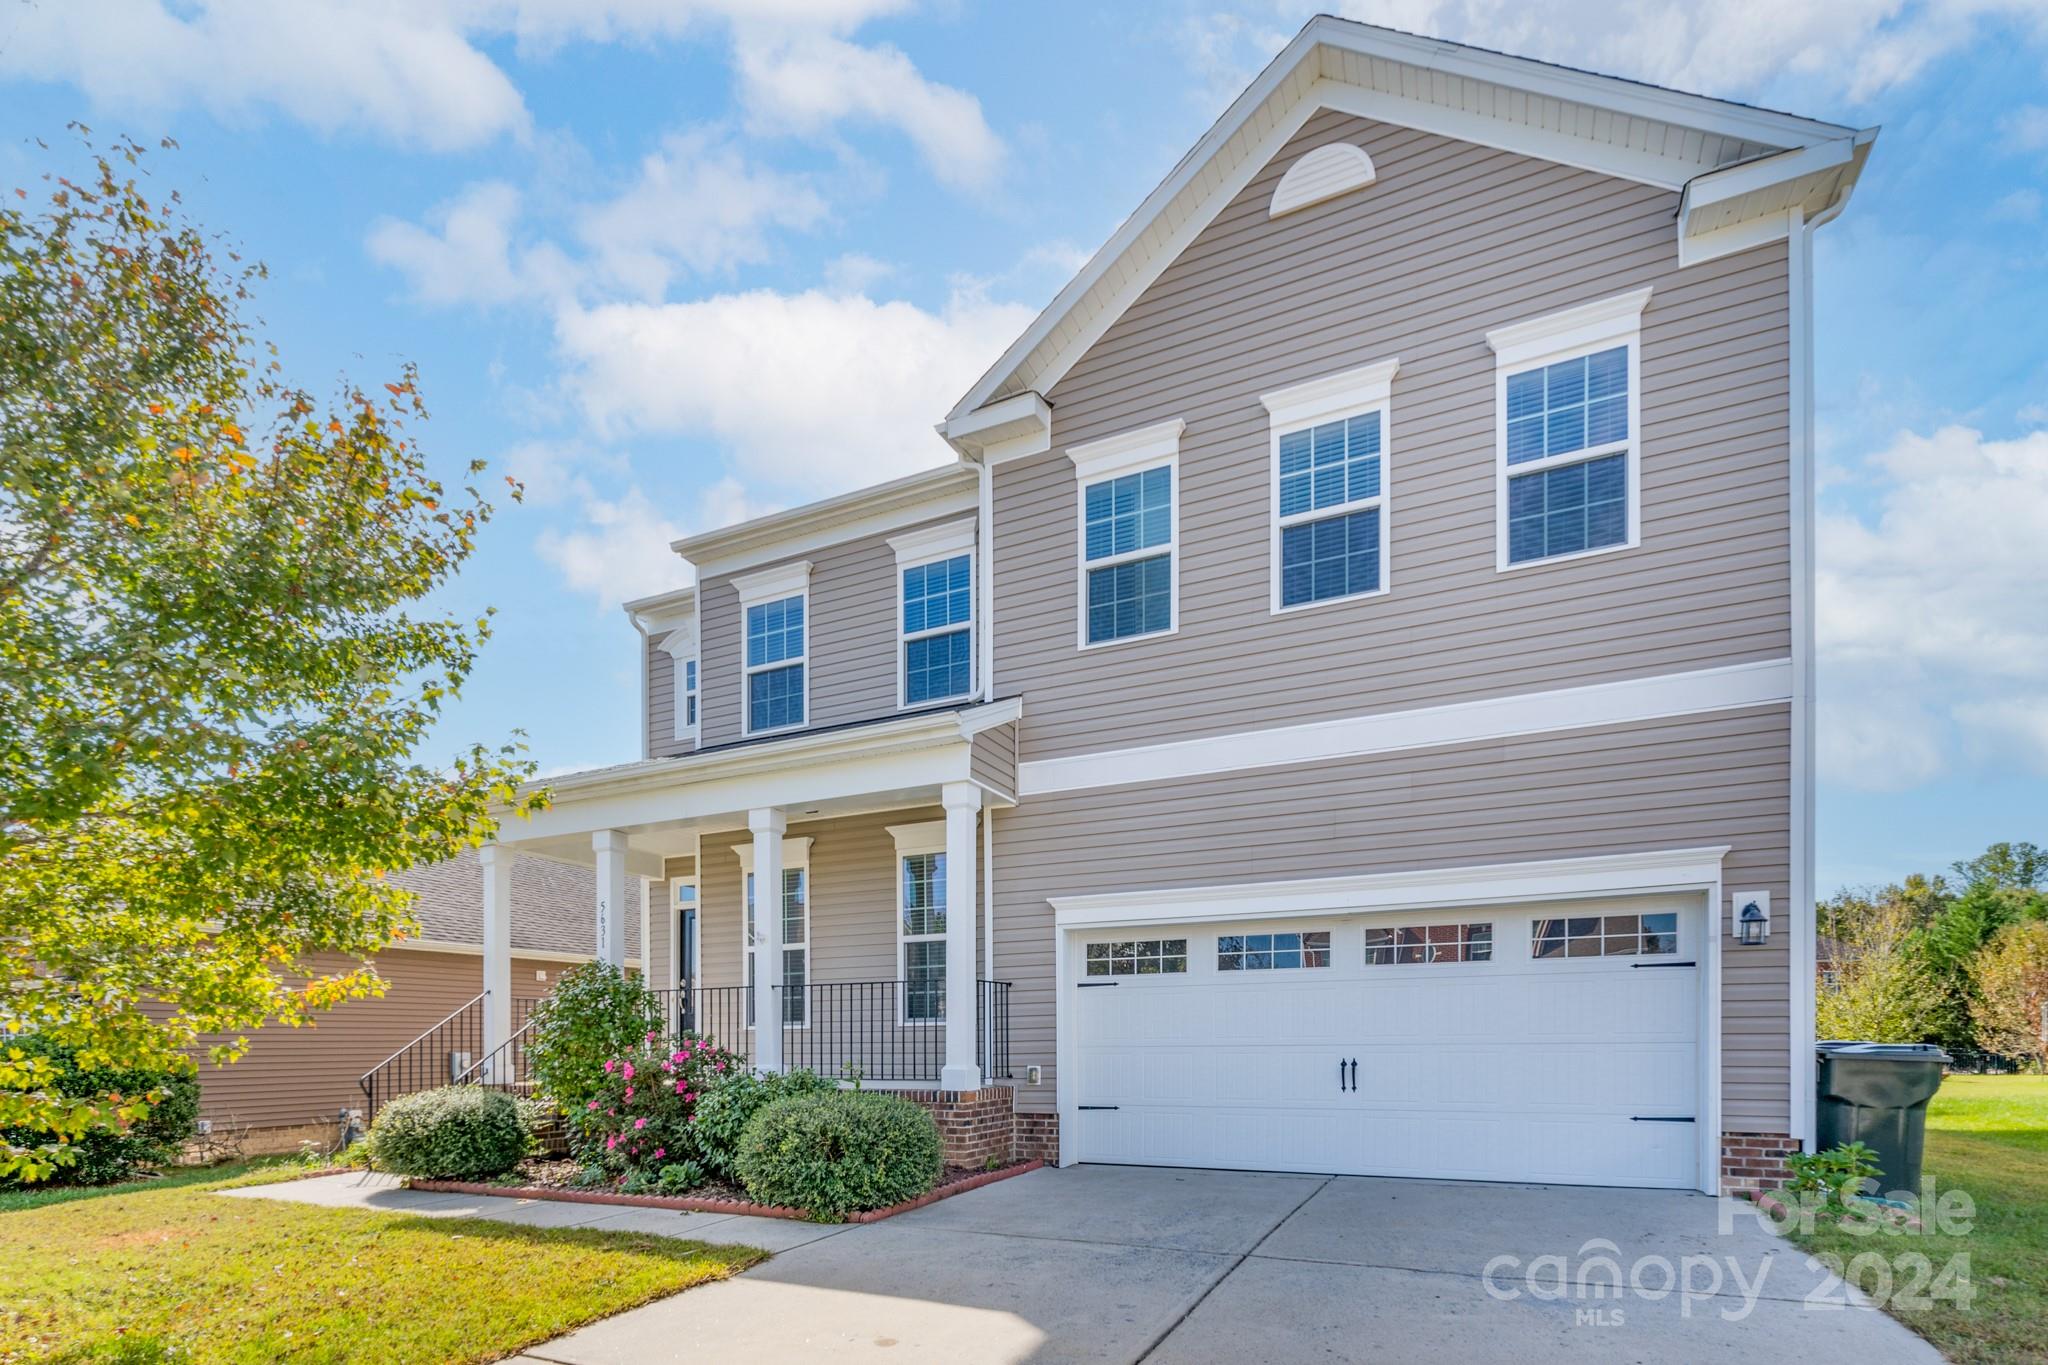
553,905
1737,166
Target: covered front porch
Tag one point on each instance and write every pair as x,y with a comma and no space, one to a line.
877,835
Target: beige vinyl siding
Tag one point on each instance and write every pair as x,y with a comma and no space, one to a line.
306,1075
1683,783
992,761
1452,240
661,704
852,638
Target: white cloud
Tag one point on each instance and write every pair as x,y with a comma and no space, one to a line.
2021,206
467,254
810,392
1856,49
1932,620
797,81
618,548
697,204
404,72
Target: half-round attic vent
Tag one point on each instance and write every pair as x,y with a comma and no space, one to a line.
1328,171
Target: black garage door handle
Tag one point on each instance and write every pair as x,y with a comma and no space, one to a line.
1661,1118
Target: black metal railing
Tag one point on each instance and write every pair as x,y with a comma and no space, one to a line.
434,1058
883,1030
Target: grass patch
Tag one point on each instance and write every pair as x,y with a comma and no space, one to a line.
257,1171
1986,1136
174,1272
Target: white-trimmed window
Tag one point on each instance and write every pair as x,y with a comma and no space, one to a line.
680,645
921,920
1129,533
775,677
688,707
935,615
1330,486
796,929
1567,432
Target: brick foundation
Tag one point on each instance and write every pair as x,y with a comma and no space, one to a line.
1753,1161
1037,1138
974,1125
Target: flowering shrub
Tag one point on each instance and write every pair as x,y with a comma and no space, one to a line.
643,1103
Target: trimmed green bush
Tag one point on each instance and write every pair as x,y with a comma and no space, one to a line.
831,1155
459,1132
111,1155
595,1013
725,1108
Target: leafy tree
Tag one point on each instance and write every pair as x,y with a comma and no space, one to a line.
2006,867
2011,978
213,670
1880,991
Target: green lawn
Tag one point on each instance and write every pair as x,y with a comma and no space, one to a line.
1988,1136
254,1280
260,1171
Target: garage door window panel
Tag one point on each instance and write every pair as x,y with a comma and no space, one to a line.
1429,943
1653,935
1139,957
1272,952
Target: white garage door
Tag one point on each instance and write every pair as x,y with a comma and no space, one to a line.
1531,1044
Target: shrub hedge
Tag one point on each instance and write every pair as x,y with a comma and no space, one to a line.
839,1153
107,1156
459,1132
725,1108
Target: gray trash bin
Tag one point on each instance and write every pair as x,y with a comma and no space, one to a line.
1876,1094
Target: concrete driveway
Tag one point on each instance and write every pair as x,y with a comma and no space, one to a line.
1100,1263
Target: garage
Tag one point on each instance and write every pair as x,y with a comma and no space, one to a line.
1556,1043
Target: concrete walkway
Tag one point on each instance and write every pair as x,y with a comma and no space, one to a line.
1098,1263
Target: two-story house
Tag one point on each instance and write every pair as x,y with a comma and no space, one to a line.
1347,706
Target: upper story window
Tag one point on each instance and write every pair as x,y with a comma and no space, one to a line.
1129,532
775,674
935,618
689,707
1567,444
681,648
1329,486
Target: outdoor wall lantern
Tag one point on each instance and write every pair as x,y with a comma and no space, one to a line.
1753,920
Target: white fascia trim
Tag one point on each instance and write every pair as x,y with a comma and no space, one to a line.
926,836
796,852
1004,430
1696,247
1585,327
443,945
1126,451
1334,395
1729,687
769,585
933,542
1666,870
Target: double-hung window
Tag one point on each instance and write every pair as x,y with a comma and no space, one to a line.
1329,486
689,709
774,605
796,932
1129,532
935,616
921,920
1567,392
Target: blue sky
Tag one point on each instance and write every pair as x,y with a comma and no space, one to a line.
678,263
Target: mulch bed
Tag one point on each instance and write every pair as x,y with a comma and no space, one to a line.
546,1179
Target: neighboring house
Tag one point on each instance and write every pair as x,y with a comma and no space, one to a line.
1324,718
293,1085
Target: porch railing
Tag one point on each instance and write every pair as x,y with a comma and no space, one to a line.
839,1027
448,1053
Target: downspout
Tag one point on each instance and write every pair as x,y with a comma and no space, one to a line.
986,541
1800,921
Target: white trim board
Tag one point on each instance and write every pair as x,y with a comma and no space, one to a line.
1725,688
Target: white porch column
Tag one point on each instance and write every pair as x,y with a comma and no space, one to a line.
767,826
963,804
611,846
497,865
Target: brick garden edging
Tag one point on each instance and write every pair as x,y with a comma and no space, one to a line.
687,1204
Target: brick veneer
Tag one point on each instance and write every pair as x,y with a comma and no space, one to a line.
1753,1161
974,1125
1037,1138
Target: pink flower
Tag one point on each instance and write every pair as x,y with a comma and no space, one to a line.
612,1112
610,1143
678,1057
660,1152
679,1088
609,1067
593,1106
639,1123
650,1037
629,1092
627,1070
